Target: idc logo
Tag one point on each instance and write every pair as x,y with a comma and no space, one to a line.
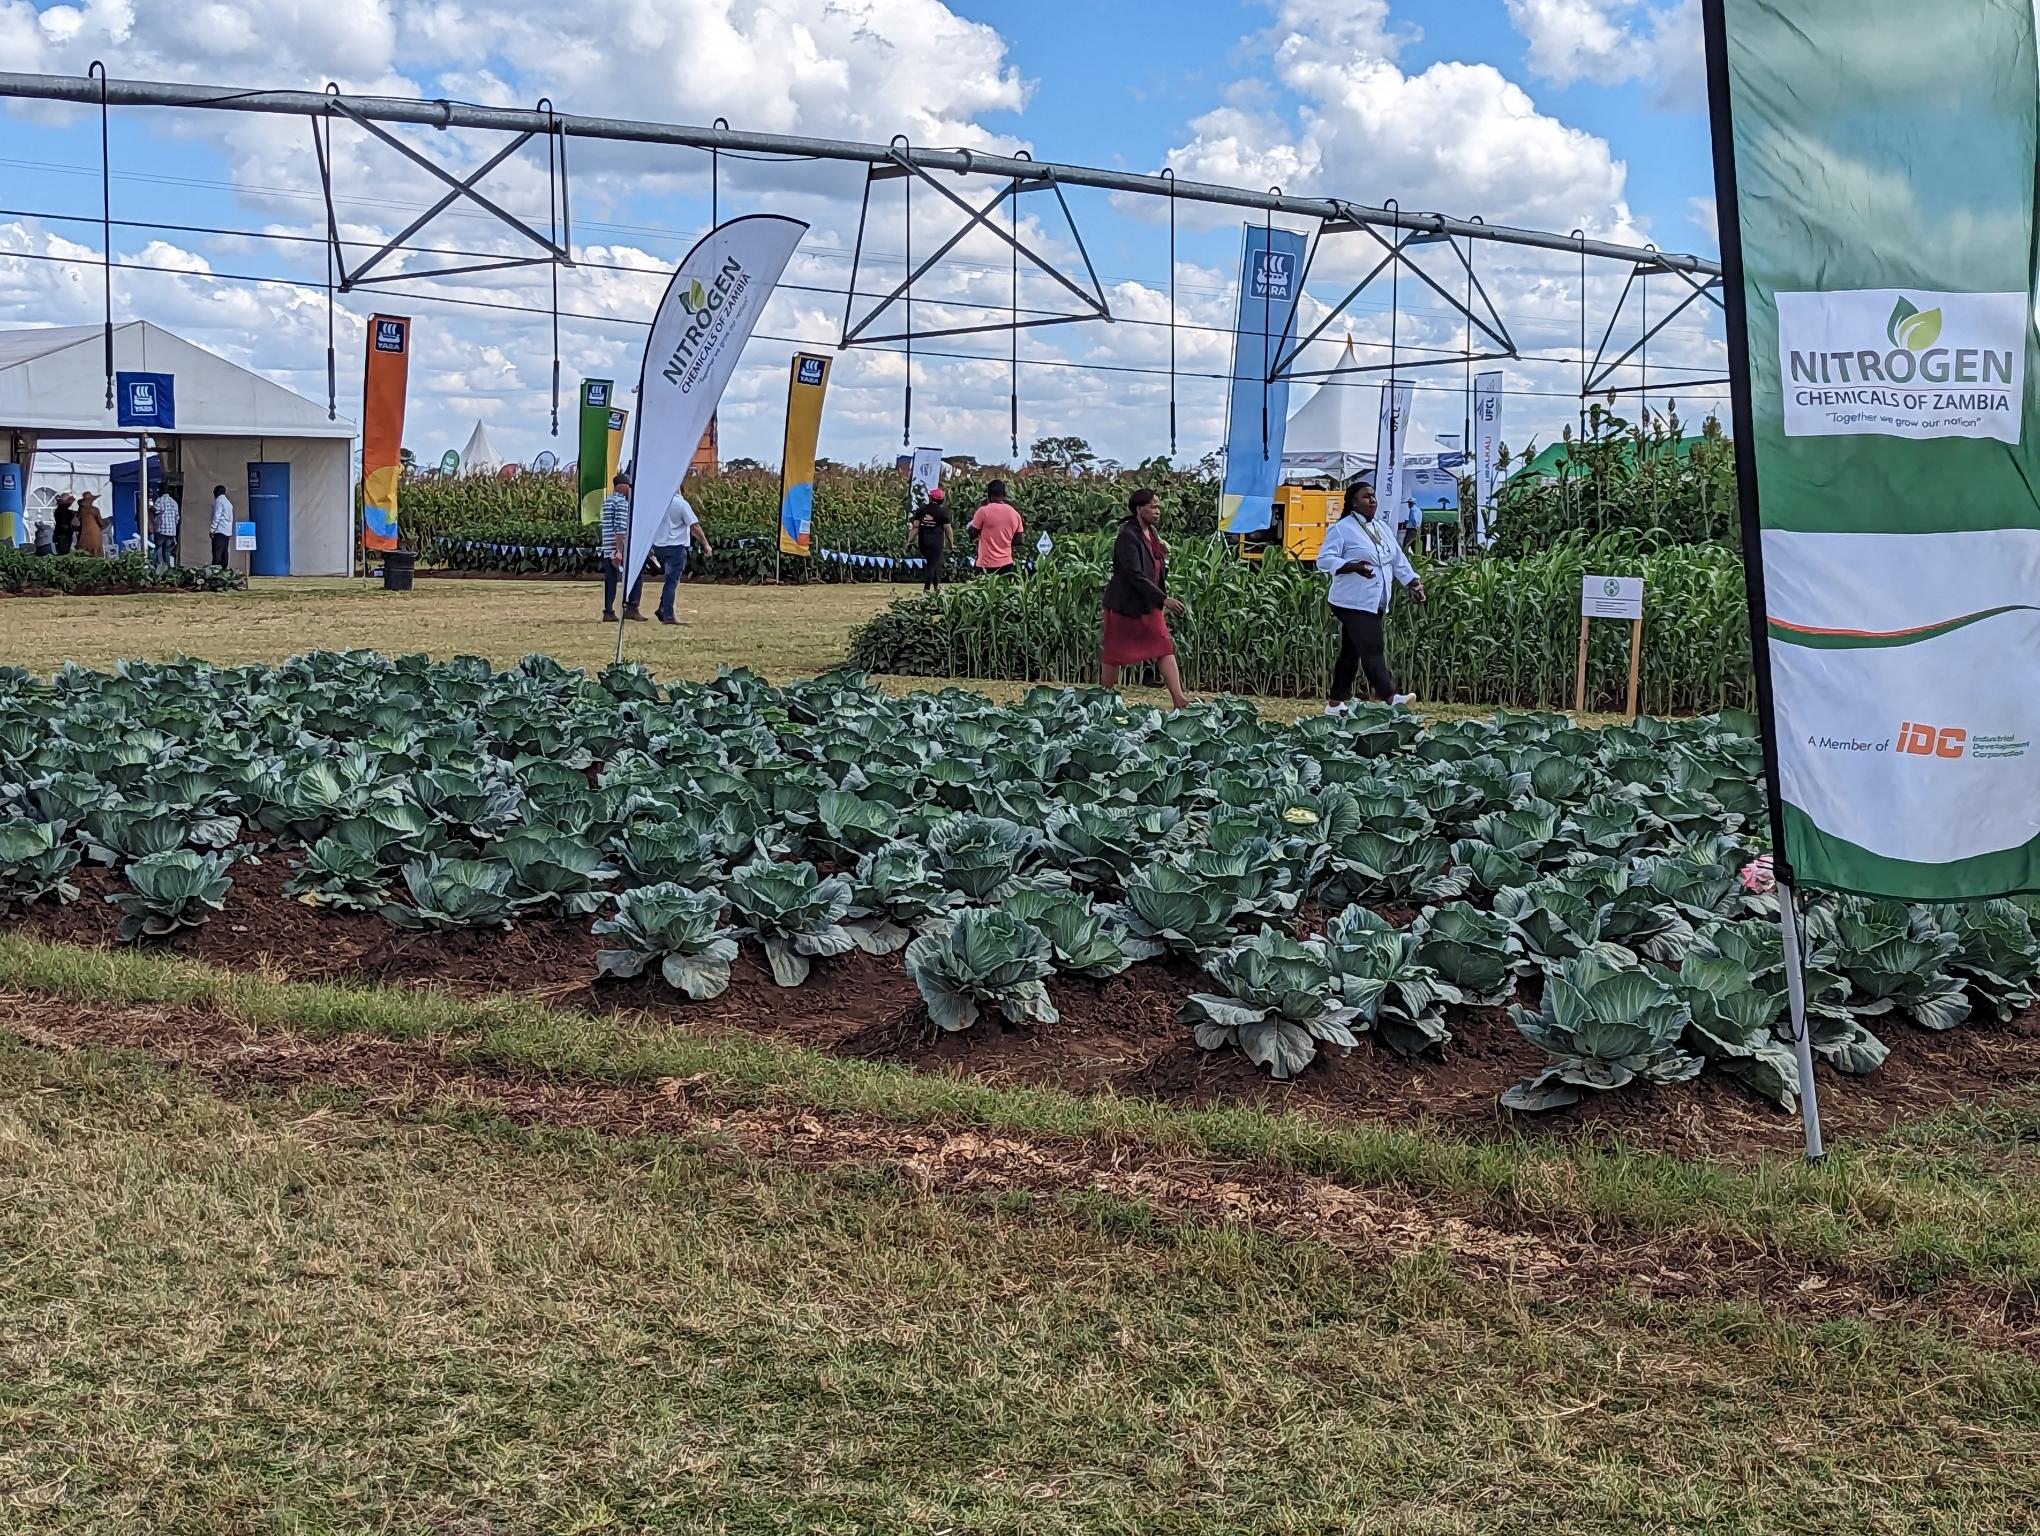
389,335
1920,740
1274,274
597,393
810,371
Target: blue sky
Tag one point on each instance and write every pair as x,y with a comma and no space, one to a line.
1552,113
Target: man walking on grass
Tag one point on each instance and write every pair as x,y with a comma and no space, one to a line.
616,552
677,533
1366,561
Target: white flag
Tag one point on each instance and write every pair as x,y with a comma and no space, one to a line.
1487,442
707,315
927,474
1388,451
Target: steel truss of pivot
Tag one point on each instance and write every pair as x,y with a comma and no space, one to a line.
857,331
1595,380
557,248
1486,321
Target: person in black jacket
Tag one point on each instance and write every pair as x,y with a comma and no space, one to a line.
1137,600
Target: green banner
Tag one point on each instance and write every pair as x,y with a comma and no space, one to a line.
594,468
1875,173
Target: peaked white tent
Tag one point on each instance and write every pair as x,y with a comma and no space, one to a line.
229,419
480,456
1333,432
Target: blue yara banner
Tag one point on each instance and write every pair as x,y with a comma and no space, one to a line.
1257,410
146,400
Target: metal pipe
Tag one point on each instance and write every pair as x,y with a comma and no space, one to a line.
448,114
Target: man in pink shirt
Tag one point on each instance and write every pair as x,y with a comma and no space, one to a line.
996,525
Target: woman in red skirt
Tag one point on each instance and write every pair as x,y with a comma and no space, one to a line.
1137,599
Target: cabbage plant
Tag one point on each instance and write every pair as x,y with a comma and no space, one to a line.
983,961
666,854
1081,941
1608,1027
1996,958
35,862
120,834
1757,949
1893,962
1278,1001
1733,1025
552,867
1167,909
1372,866
979,857
1378,970
341,870
1472,950
454,893
793,913
173,890
895,894
1553,924
678,929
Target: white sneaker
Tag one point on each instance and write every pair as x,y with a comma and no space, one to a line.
1335,709
1404,698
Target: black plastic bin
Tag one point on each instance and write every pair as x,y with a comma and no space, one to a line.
397,565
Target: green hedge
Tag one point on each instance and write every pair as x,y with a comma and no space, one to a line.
1496,631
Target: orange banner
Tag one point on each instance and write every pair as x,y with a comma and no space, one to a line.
382,427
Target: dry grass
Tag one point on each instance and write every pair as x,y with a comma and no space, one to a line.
780,632
289,1314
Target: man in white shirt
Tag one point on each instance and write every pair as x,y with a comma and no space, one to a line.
222,527
1365,561
163,524
680,529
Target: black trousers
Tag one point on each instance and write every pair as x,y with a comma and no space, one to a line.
1360,646
932,557
222,549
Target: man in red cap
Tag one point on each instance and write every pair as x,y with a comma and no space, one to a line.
932,530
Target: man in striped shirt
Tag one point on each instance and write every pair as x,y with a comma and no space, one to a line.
616,550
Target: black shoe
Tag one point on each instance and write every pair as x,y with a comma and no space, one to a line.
667,618
633,615
608,616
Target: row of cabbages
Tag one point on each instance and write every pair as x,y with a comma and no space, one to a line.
1596,872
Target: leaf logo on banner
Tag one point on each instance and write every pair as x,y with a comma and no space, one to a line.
1913,328
695,299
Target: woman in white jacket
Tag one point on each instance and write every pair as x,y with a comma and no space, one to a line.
1366,562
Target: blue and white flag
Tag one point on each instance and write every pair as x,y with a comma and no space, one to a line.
1487,442
1389,443
1257,406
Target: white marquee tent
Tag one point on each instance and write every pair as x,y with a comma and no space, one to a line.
53,400
480,456
1333,432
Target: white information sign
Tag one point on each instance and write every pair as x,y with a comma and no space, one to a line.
244,536
1611,597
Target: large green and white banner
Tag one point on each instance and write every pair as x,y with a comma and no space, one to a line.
1876,165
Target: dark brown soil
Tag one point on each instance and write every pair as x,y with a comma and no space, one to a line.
1530,1252
1121,1035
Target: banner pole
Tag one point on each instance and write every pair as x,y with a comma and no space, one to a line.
1802,1037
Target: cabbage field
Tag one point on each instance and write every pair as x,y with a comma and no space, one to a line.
1361,884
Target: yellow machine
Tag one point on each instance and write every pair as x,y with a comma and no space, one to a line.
1302,514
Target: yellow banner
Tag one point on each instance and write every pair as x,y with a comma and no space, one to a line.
806,384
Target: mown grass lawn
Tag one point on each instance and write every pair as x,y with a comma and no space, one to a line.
285,1313
779,632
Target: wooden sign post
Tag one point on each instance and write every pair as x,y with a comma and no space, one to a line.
1610,597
